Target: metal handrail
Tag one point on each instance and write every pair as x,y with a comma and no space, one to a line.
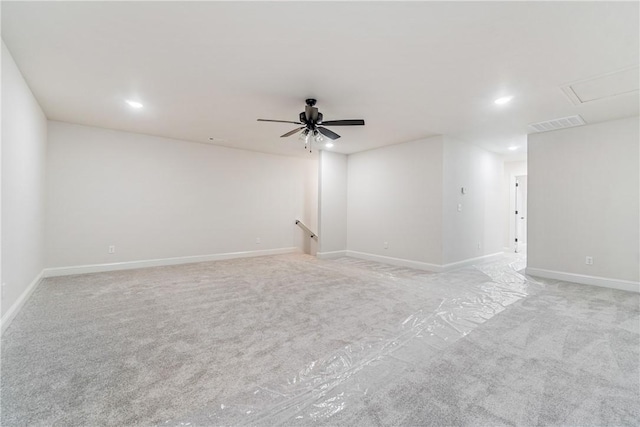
307,229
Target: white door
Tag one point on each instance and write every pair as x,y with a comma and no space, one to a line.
521,213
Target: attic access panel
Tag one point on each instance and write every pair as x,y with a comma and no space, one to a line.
606,85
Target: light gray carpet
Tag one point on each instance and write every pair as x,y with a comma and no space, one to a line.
565,356
341,342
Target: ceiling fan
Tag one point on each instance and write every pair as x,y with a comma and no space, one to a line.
311,119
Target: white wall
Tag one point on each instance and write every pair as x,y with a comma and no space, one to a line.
584,188
156,198
477,229
395,196
511,170
310,215
24,132
332,203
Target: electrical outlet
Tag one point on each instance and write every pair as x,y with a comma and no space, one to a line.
386,245
258,241
588,260
459,207
479,245
112,249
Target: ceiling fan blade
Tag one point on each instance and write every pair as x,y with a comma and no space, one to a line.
292,132
279,121
329,134
353,122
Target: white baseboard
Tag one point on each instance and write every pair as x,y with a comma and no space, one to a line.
470,261
8,317
330,255
605,282
395,261
129,265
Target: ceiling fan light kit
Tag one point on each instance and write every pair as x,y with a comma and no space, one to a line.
311,131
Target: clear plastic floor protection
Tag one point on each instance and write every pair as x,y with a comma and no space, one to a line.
326,390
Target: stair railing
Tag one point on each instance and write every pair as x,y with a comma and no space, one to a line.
307,229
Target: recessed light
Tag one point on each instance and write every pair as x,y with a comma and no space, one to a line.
503,100
328,144
134,104
513,148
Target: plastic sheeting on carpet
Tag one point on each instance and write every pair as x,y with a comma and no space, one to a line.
328,386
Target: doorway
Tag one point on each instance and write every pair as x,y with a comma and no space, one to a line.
521,214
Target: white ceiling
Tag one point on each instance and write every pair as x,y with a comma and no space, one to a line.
410,69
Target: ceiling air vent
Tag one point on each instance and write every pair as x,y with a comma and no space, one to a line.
555,124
